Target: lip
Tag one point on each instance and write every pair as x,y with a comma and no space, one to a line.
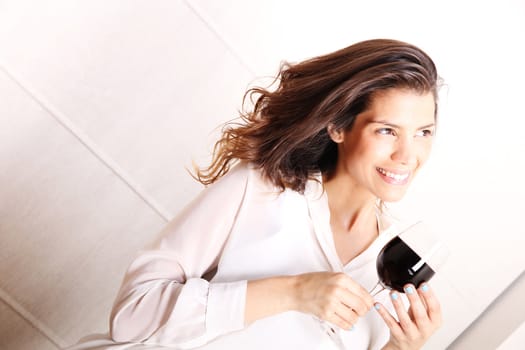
394,177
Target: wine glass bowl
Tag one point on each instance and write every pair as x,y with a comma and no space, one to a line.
413,256
398,265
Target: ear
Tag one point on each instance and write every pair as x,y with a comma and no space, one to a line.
335,134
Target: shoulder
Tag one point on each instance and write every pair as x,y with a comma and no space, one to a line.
248,174
243,177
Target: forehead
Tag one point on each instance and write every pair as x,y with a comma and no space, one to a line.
401,107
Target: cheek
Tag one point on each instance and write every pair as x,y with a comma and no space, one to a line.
367,156
366,150
378,151
425,153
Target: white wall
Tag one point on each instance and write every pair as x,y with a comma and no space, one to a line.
103,104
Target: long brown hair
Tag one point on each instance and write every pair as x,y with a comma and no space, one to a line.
285,134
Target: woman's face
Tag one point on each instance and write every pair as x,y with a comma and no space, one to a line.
387,144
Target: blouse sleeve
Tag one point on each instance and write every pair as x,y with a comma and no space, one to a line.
163,298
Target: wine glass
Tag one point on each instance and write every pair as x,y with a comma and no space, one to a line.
413,256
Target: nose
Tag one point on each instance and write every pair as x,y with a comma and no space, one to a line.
405,151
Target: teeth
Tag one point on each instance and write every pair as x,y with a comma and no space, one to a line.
397,177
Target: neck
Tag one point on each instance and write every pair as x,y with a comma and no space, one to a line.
351,208
352,218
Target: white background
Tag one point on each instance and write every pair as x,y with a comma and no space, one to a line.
104,103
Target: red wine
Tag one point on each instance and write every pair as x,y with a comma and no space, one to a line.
397,264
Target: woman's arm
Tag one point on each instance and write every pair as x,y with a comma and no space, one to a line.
163,298
330,296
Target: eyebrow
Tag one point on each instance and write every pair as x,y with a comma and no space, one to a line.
397,126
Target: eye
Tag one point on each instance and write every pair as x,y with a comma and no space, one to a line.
386,131
425,133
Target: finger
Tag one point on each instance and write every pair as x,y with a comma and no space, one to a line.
348,315
341,318
417,307
404,319
356,289
347,322
338,314
365,296
433,306
390,321
354,302
352,294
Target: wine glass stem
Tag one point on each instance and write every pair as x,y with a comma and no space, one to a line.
377,289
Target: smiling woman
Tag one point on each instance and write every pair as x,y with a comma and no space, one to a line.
286,133
387,144
287,232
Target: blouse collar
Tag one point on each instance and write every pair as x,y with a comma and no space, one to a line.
319,212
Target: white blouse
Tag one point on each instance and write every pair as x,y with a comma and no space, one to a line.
244,228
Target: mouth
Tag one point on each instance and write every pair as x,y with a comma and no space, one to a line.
395,178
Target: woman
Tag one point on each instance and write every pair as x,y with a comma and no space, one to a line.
283,241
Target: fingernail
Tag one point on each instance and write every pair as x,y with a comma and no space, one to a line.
352,328
393,296
424,288
409,290
377,306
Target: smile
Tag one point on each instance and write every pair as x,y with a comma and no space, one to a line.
394,176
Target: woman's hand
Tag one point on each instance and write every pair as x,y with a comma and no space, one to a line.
332,297
417,324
